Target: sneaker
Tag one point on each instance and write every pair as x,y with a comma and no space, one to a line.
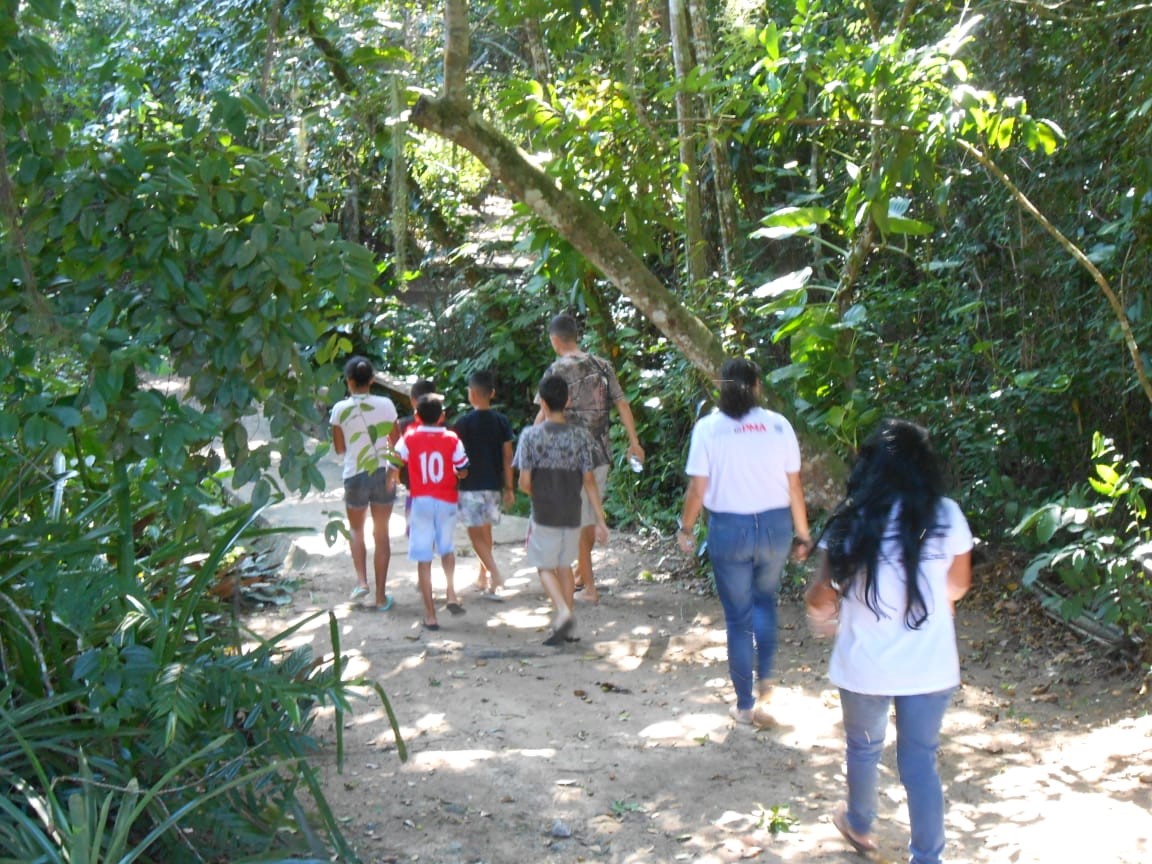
358,592
743,716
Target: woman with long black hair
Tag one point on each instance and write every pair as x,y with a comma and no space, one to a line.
896,555
744,468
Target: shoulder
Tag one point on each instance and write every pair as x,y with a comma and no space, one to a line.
340,410
950,513
774,420
384,403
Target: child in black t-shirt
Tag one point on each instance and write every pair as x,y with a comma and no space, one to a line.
487,437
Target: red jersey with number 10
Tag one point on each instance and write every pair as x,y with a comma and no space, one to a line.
433,454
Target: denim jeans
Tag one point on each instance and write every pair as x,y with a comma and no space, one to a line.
918,720
748,553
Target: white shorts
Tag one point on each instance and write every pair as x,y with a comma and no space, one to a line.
551,548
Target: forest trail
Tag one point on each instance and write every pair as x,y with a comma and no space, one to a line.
619,748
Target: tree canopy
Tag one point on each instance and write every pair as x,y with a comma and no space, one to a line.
931,210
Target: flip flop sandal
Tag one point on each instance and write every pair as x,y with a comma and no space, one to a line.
385,606
455,608
358,592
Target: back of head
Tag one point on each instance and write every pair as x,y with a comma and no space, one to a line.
897,460
553,392
419,388
738,381
896,465
429,408
565,328
358,370
483,382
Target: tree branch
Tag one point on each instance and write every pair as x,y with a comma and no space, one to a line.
578,222
1073,250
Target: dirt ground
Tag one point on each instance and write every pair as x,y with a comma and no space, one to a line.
619,748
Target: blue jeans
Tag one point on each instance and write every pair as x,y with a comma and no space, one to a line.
918,720
748,554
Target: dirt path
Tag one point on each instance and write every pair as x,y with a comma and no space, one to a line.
619,748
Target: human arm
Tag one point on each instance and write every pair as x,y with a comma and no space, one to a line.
526,481
959,578
338,442
509,479
690,512
822,601
802,543
629,423
593,493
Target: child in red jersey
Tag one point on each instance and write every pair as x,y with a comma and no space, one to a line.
436,460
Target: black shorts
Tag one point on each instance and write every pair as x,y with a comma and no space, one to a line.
363,489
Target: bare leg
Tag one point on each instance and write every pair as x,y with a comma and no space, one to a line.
481,537
553,585
567,582
424,576
448,562
584,563
356,519
382,548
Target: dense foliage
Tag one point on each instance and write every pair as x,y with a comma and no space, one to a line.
204,208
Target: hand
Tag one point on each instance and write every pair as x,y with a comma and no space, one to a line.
823,623
601,532
636,450
686,542
801,548
509,497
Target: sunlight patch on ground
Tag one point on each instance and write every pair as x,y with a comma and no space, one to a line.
521,618
462,760
315,546
688,729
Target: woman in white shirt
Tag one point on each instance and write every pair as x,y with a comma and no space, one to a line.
895,557
744,468
361,425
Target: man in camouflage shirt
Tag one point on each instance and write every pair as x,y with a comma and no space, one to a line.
593,389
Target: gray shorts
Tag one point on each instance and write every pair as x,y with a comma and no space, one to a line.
551,548
363,489
479,507
587,514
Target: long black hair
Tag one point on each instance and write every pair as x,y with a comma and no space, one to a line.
896,466
738,380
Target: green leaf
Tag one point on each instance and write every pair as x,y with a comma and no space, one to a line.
1048,523
790,221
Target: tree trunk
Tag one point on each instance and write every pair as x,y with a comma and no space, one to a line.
457,42
537,51
722,182
695,249
399,183
579,223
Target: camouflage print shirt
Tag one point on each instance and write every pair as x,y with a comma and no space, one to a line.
592,391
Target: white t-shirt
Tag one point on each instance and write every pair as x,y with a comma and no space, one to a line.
746,461
884,657
355,416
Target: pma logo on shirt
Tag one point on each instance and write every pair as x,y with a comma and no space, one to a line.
752,427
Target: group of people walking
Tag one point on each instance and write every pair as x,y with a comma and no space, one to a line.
893,558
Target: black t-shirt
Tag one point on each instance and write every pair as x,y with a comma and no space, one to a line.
484,434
